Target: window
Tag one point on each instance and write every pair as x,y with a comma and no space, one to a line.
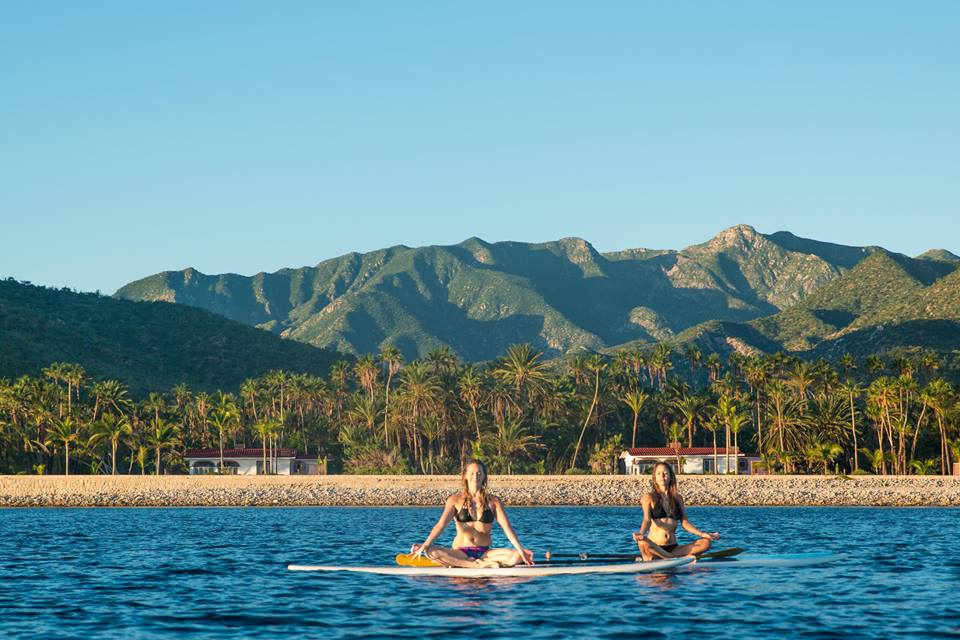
201,467
708,465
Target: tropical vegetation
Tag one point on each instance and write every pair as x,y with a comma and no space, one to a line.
382,414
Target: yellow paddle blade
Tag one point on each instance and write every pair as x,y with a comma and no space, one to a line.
407,560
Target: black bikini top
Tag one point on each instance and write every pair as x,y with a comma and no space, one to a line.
659,512
463,515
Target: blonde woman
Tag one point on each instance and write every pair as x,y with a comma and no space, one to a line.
474,512
662,511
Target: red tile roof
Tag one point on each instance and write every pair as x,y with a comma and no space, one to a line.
684,451
239,453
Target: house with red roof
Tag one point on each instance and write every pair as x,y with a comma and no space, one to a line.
699,460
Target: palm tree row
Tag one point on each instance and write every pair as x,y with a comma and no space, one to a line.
379,414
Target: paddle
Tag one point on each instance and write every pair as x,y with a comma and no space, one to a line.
583,557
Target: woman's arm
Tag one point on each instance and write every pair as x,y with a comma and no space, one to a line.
504,522
645,503
445,518
690,528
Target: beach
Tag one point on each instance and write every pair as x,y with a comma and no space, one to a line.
531,490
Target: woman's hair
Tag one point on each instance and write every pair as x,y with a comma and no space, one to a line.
482,485
671,489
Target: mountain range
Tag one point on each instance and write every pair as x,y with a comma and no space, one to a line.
742,290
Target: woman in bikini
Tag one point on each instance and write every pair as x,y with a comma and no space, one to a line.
662,511
474,513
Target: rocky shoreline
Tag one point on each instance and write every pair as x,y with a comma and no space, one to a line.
282,491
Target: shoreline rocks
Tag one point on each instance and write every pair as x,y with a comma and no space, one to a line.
285,491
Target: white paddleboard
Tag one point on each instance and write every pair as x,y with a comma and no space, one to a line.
504,572
773,560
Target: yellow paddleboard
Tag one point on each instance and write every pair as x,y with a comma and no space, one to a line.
407,560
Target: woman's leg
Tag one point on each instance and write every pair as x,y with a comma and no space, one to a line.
456,558
693,549
504,557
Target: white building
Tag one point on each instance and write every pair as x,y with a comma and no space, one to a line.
692,459
249,462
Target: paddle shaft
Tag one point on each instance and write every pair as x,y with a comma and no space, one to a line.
583,557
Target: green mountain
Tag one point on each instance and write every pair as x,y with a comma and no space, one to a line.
478,298
886,301
147,346
939,255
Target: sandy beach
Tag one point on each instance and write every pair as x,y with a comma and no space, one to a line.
343,490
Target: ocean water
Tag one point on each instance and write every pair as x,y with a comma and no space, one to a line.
221,573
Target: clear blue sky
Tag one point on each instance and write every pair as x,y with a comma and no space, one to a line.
248,136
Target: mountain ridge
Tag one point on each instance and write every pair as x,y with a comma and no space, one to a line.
562,296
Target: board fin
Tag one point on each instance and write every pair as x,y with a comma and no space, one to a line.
407,560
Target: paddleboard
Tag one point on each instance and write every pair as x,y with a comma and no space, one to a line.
505,572
772,560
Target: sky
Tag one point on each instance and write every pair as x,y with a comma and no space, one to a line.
234,136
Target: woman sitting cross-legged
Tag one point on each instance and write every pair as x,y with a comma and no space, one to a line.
474,513
662,512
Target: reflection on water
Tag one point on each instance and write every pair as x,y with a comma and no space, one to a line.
220,573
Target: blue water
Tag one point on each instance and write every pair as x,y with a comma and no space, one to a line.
221,573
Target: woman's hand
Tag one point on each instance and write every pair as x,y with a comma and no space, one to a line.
712,536
418,550
526,555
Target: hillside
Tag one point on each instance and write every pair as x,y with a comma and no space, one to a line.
478,298
886,301
145,345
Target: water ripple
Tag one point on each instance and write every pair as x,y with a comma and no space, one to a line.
220,573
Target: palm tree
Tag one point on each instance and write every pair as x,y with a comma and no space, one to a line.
852,391
801,379
675,432
714,365
512,440
155,402
757,372
367,372
470,388
109,394
65,432
57,372
693,356
596,364
390,358
737,422
521,368
111,428
940,395
164,435
442,361
223,417
823,453
263,429
692,408
713,425
923,467
635,399
726,410
420,392
75,375
877,458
